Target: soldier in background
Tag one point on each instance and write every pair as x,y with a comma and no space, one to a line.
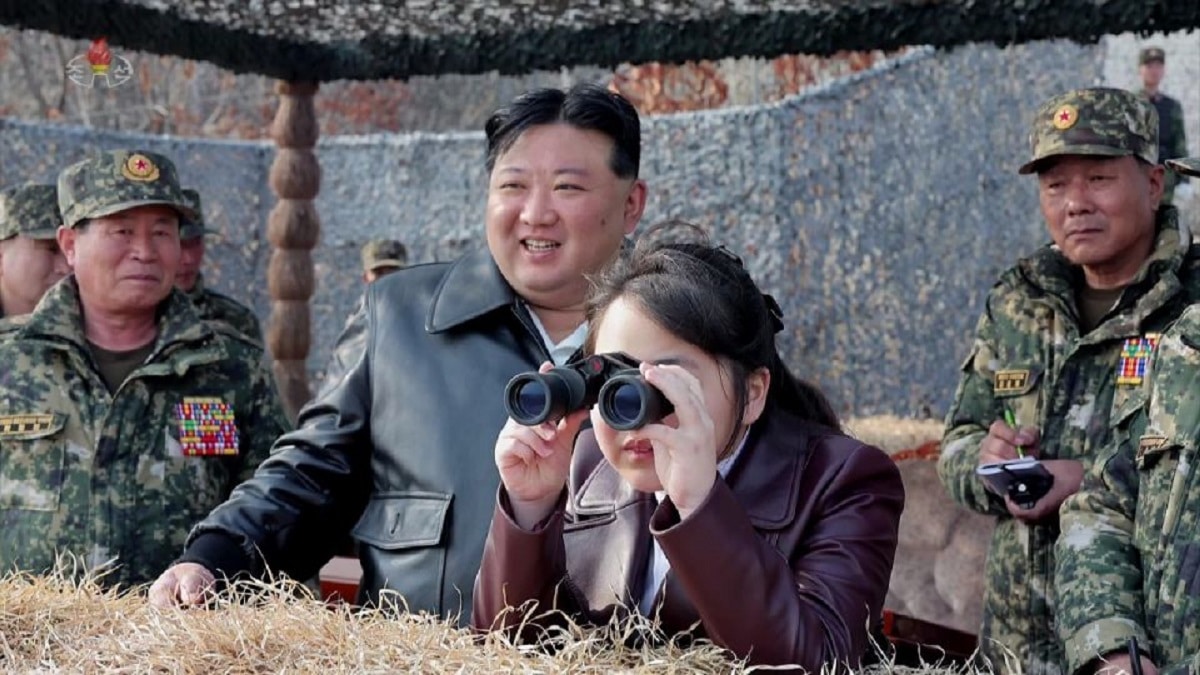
1061,346
30,260
212,306
1129,555
381,257
1172,138
124,417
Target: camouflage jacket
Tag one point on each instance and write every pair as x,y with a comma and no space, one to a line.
214,306
1129,555
1029,357
123,476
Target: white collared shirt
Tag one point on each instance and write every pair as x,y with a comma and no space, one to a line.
659,565
560,353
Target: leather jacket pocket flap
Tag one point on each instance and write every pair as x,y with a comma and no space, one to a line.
394,521
1016,380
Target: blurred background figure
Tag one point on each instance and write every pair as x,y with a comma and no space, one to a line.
30,260
381,257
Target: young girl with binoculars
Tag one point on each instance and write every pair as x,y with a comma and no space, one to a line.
739,513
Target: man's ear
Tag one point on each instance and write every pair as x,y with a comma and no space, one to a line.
1157,176
66,237
635,205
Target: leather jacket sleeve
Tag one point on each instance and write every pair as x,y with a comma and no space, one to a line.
518,566
291,514
810,610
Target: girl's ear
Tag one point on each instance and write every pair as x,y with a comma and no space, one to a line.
758,383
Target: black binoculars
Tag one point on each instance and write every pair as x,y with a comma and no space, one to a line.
610,380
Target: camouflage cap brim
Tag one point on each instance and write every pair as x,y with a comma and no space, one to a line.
385,262
1188,166
183,210
1033,165
42,233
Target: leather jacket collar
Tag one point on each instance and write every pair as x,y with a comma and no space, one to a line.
764,479
471,288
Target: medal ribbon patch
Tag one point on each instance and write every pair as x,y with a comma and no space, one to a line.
206,427
1135,358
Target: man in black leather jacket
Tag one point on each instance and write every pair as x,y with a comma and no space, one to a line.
397,447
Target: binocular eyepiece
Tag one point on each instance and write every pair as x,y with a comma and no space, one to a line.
610,380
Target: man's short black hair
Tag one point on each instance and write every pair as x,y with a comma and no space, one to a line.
585,106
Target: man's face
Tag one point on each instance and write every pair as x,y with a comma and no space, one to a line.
191,259
556,211
28,268
1152,73
125,263
1100,210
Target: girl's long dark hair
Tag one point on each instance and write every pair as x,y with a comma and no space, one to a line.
703,295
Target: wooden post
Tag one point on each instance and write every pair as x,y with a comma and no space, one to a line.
293,230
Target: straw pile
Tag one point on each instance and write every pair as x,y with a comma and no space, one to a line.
52,624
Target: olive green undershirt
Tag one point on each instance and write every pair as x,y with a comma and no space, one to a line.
1094,304
114,367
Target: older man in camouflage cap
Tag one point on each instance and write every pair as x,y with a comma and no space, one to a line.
381,257
124,418
1129,554
211,305
30,260
1058,346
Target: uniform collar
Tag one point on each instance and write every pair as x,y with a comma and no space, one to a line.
1049,270
59,318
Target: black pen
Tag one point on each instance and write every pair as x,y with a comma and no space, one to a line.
1135,657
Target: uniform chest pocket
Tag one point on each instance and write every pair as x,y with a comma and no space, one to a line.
32,460
1017,387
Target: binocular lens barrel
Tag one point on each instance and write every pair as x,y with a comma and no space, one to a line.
530,399
627,402
612,381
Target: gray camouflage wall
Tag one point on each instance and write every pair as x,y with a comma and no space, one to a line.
878,210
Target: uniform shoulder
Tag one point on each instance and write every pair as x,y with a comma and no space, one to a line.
237,341
10,326
226,302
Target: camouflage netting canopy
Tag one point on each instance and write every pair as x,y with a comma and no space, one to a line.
324,40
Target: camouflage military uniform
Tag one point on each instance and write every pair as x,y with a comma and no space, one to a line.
379,253
106,476
1129,555
30,210
1032,358
123,476
214,306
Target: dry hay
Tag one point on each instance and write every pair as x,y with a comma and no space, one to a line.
895,434
52,624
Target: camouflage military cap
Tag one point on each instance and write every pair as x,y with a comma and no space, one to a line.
111,182
31,210
1152,54
383,253
1188,166
193,228
1100,122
